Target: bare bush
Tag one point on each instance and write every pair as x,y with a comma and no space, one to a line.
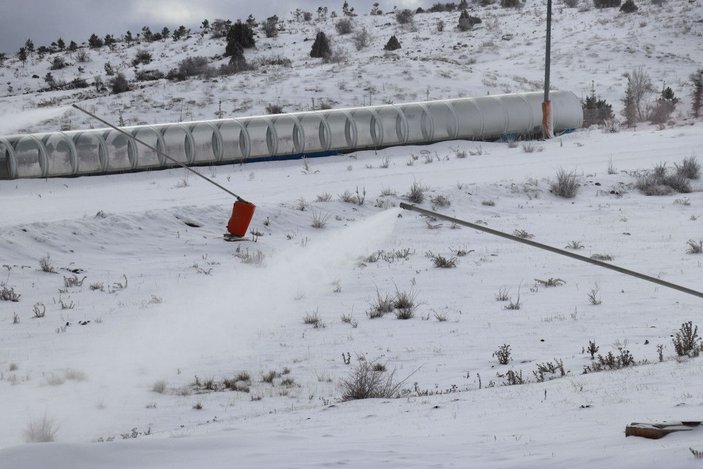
417,193
689,168
566,185
405,16
442,262
361,39
365,382
344,26
273,108
45,265
313,319
39,310
593,296
686,340
357,198
440,201
42,430
193,66
142,57
8,294
694,247
319,220
381,305
660,182
73,281
523,234
503,354
503,294
339,55
611,362
159,387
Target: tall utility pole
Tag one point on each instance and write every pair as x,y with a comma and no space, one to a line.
547,104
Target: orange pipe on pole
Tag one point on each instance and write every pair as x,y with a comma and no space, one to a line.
547,127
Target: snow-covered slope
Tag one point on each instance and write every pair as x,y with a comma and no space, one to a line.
503,54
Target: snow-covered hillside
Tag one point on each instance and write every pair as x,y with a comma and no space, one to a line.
154,343
503,54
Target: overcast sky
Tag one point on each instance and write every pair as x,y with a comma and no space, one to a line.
44,21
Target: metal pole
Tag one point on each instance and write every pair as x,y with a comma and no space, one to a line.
160,153
547,105
562,252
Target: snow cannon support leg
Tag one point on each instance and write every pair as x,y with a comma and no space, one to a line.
242,213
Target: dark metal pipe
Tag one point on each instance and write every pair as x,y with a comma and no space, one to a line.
159,152
562,252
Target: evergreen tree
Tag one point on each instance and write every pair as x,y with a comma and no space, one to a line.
697,97
49,79
22,55
180,33
147,34
628,7
321,46
239,33
392,44
95,42
29,46
72,46
664,107
595,110
60,44
347,10
237,62
128,37
165,33
630,105
109,40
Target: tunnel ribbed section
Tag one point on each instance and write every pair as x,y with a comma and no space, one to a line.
313,133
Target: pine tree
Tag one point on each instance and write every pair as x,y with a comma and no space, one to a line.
29,46
321,46
596,111
72,46
60,44
697,101
147,34
241,34
630,105
180,33
237,61
94,41
392,44
165,33
22,55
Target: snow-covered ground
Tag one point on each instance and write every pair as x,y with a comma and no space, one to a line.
192,307
164,302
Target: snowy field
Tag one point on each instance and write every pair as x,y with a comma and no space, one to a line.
152,323
192,307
